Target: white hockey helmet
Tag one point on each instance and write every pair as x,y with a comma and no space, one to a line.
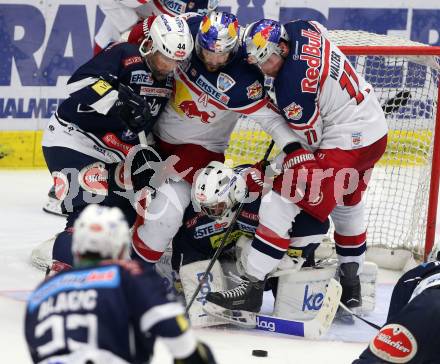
261,39
217,189
170,36
101,230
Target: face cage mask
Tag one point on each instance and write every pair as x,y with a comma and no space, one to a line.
215,211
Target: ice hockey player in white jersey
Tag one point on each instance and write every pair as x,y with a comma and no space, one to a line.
122,15
340,133
107,309
113,97
212,90
413,319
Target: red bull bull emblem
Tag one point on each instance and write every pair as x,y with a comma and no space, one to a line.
293,111
189,107
255,91
260,38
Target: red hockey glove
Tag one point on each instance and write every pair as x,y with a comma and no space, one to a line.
304,183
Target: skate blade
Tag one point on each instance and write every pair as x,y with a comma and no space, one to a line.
240,318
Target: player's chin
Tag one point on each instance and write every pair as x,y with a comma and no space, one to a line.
212,67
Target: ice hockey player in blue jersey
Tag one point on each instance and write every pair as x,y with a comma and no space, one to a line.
410,332
216,195
209,216
113,97
339,130
106,309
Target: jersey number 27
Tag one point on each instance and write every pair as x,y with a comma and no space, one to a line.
59,327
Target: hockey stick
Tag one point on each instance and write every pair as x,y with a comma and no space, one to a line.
311,329
377,327
223,242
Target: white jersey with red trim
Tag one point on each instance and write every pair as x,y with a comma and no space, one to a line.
205,105
326,103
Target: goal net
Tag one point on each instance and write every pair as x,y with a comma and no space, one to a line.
402,196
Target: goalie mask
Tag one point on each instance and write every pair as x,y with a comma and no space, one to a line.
102,231
217,190
261,39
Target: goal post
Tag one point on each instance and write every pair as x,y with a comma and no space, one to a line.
402,197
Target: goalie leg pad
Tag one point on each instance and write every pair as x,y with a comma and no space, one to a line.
300,294
190,275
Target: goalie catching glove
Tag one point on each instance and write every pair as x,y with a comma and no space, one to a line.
133,110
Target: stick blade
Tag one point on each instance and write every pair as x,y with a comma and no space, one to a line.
243,319
319,325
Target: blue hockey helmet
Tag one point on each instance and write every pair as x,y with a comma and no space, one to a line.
261,39
218,33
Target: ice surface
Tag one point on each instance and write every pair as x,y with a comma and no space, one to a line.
24,225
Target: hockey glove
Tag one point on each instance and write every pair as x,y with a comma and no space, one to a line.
133,110
297,166
304,182
202,355
255,176
261,174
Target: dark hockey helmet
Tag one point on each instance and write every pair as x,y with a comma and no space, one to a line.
217,38
261,39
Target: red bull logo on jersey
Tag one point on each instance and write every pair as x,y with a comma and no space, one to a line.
255,91
395,344
311,53
189,107
293,111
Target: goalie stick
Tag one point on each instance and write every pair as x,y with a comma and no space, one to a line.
223,242
310,329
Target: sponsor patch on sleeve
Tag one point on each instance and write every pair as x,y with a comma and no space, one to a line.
255,91
394,343
101,87
131,60
293,111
